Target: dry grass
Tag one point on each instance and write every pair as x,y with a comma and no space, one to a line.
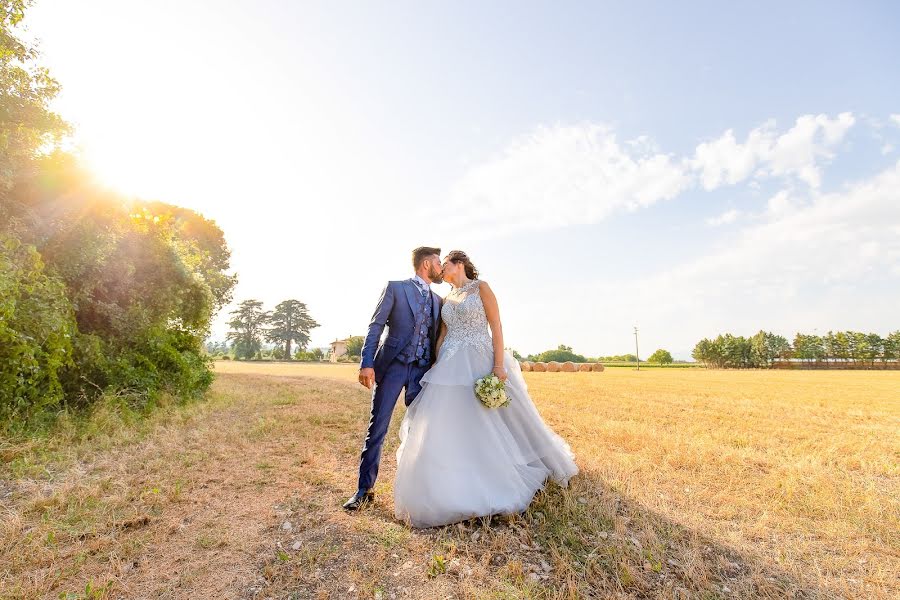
694,484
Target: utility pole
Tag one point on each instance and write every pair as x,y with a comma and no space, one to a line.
636,353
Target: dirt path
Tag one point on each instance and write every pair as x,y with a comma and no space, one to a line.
189,512
241,500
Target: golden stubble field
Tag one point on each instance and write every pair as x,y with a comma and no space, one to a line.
694,484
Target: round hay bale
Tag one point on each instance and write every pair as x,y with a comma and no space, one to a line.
567,367
553,367
584,367
597,367
539,367
525,365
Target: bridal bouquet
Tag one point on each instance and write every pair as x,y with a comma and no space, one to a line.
491,391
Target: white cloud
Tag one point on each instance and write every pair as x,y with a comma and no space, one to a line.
729,216
812,264
564,175
887,149
822,240
725,160
798,152
895,119
580,174
780,203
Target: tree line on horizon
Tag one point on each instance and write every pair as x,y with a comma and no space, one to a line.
100,295
764,349
288,324
563,353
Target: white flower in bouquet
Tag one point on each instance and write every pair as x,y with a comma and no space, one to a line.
491,391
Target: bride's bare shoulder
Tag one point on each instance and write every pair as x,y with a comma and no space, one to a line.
484,288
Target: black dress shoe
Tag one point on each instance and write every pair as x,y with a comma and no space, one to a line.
358,500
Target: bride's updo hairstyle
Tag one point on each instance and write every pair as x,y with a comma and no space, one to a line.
458,256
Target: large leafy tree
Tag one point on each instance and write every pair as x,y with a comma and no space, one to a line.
202,244
662,357
289,323
27,125
705,352
98,293
248,325
809,347
765,347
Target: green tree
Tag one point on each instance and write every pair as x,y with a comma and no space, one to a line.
142,306
891,346
662,357
247,327
36,328
141,280
765,347
616,358
27,125
759,350
871,347
829,346
842,346
216,348
355,345
704,352
201,245
289,323
725,351
561,354
310,355
809,347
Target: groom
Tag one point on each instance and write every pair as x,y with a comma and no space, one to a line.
412,314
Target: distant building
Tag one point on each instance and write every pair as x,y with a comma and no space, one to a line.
338,349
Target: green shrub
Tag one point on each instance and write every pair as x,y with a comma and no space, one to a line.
36,328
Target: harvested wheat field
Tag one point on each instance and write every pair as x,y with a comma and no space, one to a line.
694,484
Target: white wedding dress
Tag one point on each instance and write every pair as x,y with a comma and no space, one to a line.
458,459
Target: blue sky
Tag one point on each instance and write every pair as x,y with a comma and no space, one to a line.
580,152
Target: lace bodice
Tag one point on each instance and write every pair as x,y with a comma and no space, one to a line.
467,325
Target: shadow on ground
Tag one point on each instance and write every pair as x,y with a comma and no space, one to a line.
587,541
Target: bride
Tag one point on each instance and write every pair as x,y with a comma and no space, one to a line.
458,459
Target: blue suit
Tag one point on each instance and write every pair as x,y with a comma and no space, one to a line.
396,310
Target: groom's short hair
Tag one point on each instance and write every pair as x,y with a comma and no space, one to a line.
421,253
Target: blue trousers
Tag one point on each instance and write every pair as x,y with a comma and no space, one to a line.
384,396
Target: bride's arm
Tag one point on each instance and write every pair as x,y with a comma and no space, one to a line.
492,312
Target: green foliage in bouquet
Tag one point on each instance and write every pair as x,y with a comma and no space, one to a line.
491,391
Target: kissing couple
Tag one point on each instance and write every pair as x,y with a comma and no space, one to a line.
457,458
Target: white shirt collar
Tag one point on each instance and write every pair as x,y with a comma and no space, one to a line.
422,283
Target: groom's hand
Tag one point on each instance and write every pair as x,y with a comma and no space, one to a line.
367,377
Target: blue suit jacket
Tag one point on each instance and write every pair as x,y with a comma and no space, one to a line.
395,311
